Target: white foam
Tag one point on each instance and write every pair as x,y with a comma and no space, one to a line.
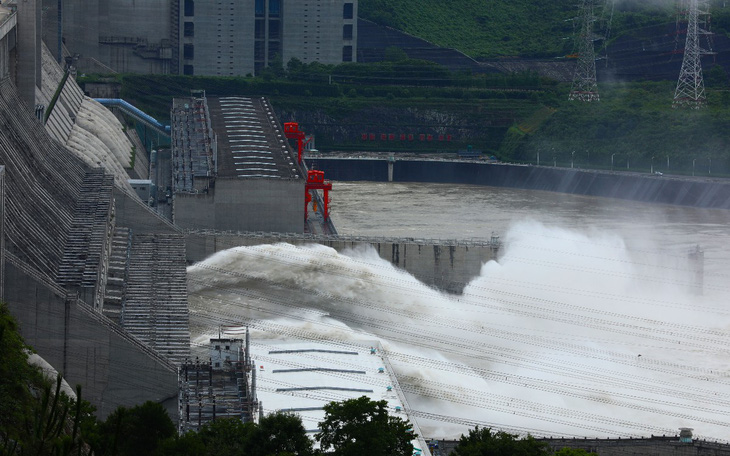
579,336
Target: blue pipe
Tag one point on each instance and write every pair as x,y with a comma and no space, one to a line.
134,112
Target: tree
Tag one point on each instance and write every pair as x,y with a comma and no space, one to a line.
484,442
135,432
17,377
189,444
226,437
362,427
35,417
280,434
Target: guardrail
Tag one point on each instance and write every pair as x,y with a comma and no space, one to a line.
494,242
396,387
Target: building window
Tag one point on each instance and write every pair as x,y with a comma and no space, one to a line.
260,33
347,32
274,30
274,51
347,53
347,11
188,70
189,52
189,29
258,50
260,6
189,8
274,8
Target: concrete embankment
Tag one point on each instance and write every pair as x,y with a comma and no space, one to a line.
706,193
447,265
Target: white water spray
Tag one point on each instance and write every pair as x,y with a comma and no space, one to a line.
570,334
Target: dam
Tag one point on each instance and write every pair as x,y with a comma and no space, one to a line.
444,264
649,188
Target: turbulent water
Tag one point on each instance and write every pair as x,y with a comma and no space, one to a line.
590,324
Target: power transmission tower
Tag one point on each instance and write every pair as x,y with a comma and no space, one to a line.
584,86
690,91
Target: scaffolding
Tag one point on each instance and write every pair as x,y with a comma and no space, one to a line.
194,148
222,387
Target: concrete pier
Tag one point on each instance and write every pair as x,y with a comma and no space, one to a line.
445,264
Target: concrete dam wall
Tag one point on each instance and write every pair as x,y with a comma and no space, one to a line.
447,265
685,191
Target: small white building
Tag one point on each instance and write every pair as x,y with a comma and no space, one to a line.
143,189
226,352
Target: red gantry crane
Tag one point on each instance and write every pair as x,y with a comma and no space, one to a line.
315,178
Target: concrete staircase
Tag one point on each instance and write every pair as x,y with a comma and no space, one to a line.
155,301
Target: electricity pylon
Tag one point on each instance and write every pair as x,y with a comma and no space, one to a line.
690,91
585,87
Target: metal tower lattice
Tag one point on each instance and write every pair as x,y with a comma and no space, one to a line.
585,87
690,91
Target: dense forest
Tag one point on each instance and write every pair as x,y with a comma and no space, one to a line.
521,28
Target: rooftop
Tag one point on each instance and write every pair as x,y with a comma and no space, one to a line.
193,145
303,376
251,143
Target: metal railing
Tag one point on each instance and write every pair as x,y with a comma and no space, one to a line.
493,242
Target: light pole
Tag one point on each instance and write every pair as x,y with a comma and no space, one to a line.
652,165
667,162
693,166
612,155
555,161
709,166
538,157
572,158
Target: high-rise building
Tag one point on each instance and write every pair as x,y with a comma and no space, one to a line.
212,37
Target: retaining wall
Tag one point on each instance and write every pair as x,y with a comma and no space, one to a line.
112,367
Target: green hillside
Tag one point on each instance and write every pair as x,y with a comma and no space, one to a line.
492,28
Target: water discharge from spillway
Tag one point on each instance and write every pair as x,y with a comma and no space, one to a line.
571,333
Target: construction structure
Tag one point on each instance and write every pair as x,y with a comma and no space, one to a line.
690,92
302,376
213,38
315,179
96,281
681,444
585,87
233,168
224,386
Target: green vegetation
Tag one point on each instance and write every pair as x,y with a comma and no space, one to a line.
489,29
515,117
484,441
36,418
634,123
54,100
362,427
